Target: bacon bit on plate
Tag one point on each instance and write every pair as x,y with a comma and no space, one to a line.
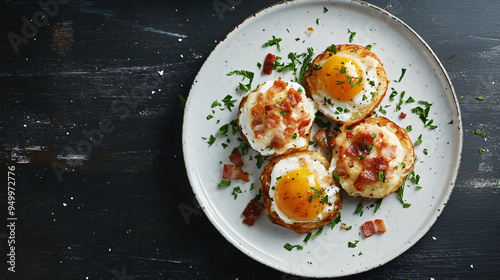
371,227
235,158
252,212
310,31
325,138
268,64
232,172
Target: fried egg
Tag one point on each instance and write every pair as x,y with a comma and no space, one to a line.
346,83
276,118
372,159
299,191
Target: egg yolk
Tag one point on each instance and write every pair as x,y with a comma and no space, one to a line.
341,78
298,195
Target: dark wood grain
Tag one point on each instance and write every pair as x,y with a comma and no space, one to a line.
124,209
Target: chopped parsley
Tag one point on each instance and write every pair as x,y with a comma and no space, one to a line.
480,97
403,71
336,220
223,130
377,205
317,193
393,94
216,104
259,195
211,140
477,132
481,150
381,176
305,64
325,10
410,100
236,191
320,230
335,176
351,35
234,126
224,183
423,113
272,42
419,140
401,101
400,192
229,102
182,102
352,245
243,147
409,128
382,110
289,247
308,237
246,74
333,49
260,160
359,209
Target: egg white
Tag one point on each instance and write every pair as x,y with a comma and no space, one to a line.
261,144
291,163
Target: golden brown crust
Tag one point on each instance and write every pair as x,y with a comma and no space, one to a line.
306,135
361,52
408,159
273,216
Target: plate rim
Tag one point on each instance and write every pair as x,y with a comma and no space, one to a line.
459,141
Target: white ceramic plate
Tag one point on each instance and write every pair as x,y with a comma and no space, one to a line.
397,46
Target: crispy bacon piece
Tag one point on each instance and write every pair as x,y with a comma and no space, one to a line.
302,127
235,158
233,172
366,176
279,85
252,212
293,96
258,110
325,138
268,64
388,152
369,228
272,120
341,168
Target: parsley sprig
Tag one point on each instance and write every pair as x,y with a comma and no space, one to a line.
246,74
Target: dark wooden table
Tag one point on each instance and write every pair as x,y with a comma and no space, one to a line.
90,128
